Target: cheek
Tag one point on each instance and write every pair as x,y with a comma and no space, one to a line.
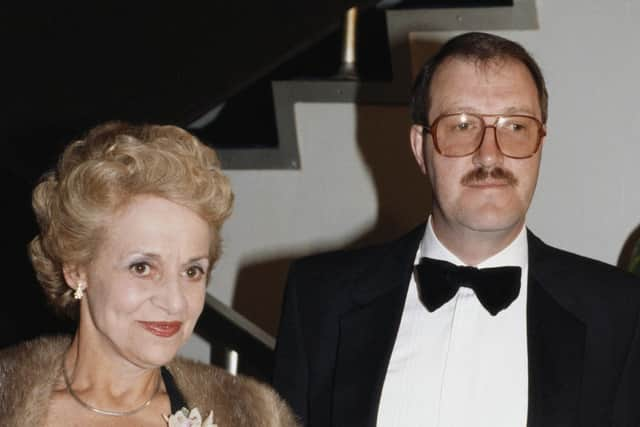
121,296
195,296
445,175
527,174
434,166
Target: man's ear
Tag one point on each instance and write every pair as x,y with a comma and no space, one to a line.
544,138
417,146
74,275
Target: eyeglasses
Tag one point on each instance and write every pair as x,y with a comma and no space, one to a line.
461,134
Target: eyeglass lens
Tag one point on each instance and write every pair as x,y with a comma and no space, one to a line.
462,134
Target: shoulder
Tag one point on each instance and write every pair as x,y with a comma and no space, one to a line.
27,375
364,255
235,400
583,281
39,347
568,265
31,356
337,267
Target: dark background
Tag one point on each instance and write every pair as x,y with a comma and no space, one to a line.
66,69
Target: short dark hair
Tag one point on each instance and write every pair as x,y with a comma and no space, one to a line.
480,47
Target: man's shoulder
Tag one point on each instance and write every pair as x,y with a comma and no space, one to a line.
331,275
590,275
338,261
349,260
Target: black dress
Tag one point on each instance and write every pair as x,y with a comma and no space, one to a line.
175,397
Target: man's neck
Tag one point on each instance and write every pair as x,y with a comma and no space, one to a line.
471,246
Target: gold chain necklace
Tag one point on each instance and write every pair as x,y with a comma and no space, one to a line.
104,411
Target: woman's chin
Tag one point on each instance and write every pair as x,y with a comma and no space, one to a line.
156,354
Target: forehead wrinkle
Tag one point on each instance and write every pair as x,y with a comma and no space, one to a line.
505,111
498,97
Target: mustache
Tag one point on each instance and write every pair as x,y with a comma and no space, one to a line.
479,175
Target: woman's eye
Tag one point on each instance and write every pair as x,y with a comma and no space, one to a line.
140,269
195,272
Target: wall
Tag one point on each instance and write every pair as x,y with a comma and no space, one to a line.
355,163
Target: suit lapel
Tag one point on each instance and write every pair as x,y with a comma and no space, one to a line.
556,338
556,341
368,332
366,341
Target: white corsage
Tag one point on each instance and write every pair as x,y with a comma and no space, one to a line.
184,418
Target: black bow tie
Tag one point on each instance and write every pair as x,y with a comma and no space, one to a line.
438,281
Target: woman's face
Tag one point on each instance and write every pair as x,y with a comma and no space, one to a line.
146,283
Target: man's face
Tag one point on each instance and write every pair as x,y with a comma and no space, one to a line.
465,200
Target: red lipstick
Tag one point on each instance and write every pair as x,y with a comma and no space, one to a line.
162,329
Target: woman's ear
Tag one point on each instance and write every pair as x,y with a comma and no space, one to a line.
75,275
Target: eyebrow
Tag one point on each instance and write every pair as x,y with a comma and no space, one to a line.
143,254
198,258
157,257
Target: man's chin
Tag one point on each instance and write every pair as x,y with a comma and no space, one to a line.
496,225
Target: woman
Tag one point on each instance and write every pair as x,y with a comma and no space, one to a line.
129,232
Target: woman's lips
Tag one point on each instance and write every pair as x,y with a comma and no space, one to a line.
162,329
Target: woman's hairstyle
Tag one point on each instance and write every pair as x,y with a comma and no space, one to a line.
98,175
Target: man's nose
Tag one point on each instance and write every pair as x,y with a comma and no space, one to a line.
488,154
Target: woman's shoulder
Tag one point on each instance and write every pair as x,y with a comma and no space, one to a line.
38,349
27,373
31,359
235,400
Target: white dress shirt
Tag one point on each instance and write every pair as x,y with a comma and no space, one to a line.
459,366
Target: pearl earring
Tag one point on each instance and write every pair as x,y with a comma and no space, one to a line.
79,292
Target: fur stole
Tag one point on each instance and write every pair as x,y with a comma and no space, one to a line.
29,371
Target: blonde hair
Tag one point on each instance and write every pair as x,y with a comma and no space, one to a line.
98,175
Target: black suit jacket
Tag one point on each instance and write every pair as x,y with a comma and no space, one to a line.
342,311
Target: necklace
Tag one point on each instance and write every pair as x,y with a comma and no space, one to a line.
104,411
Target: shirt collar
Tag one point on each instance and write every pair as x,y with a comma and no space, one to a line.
515,254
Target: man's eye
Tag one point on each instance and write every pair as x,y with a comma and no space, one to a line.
465,126
515,126
140,269
195,272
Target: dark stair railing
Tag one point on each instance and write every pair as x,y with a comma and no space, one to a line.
237,344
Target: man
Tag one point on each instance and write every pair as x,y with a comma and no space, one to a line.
397,335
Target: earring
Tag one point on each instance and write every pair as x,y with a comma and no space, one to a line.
79,292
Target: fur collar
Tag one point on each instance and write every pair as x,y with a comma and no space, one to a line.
29,371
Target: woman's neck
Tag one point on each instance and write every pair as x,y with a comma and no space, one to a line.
105,379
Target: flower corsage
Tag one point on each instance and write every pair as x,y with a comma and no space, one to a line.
184,418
